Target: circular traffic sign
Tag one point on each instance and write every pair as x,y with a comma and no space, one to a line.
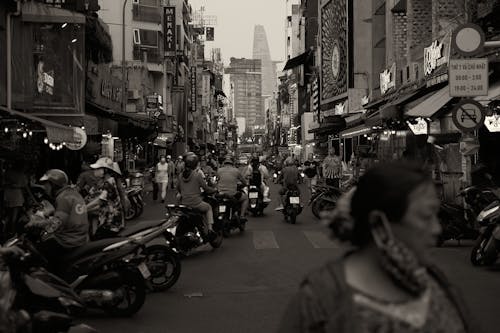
468,39
80,139
468,115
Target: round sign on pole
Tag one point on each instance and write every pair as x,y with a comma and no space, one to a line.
80,139
468,115
468,39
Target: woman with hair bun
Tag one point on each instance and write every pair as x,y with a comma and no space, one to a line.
387,282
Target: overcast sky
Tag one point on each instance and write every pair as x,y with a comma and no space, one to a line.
235,24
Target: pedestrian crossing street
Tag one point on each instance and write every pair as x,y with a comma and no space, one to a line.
316,239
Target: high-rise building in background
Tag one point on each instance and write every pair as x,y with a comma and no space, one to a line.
246,78
261,51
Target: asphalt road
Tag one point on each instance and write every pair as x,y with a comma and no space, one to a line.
245,285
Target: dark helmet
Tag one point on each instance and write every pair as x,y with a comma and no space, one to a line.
191,161
56,177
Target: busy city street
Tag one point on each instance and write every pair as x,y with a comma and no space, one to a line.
227,166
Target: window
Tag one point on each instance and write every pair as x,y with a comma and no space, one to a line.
148,38
137,37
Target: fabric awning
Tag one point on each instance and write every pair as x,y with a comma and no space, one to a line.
297,61
38,12
56,133
355,131
429,105
493,94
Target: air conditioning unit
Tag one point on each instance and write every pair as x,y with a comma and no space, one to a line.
133,94
165,3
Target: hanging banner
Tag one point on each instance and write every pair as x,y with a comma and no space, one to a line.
210,34
169,30
193,89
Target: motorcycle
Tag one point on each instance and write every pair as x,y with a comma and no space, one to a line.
302,175
487,246
136,208
108,274
228,211
188,230
34,300
256,201
323,198
162,259
292,206
276,176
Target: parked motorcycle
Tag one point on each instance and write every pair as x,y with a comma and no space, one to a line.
108,274
228,211
487,247
162,259
292,206
188,231
135,197
323,197
256,201
34,300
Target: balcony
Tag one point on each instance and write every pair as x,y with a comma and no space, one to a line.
146,14
147,54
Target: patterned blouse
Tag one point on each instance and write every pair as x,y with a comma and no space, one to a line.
432,312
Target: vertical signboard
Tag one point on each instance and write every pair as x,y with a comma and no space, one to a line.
210,34
193,89
170,30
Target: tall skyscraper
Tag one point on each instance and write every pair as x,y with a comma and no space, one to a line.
245,76
261,51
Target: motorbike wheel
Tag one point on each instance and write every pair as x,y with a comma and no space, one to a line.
164,265
478,256
226,231
217,241
131,213
139,210
133,288
293,218
242,227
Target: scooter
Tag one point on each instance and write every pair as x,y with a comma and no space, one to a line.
135,197
256,201
188,230
34,300
228,211
323,197
487,247
292,206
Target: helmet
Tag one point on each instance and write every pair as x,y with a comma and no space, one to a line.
289,161
262,159
103,162
228,160
180,157
56,177
169,157
191,161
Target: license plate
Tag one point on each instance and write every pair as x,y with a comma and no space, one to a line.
294,200
144,271
222,209
253,195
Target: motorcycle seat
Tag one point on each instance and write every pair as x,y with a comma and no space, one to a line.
129,231
88,248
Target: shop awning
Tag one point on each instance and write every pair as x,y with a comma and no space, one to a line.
355,131
493,94
429,105
38,12
297,61
56,133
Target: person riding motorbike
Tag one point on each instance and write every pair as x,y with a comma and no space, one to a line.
67,226
189,187
289,177
229,176
258,175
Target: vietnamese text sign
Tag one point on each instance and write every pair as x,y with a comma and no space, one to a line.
170,29
468,77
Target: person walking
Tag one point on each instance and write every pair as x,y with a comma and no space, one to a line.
332,169
388,282
162,177
171,172
311,172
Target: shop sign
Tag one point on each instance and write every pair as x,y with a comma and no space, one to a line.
170,30
468,77
421,127
45,80
492,123
193,89
468,115
388,79
80,139
433,57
